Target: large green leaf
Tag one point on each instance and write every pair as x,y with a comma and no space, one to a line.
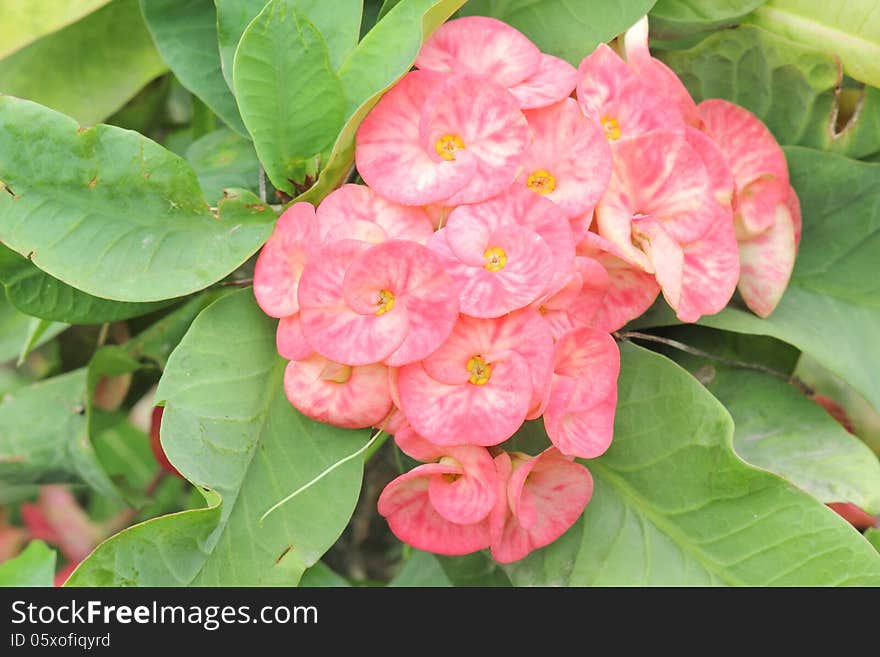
791,87
185,33
850,29
38,294
35,566
674,505
221,160
44,435
831,309
420,569
229,428
25,22
13,329
672,19
780,429
384,55
291,100
338,22
570,29
112,213
89,69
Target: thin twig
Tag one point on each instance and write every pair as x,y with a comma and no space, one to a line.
237,282
694,351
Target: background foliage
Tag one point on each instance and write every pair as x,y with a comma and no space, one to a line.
146,149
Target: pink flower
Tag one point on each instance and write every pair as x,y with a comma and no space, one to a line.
579,418
579,301
444,506
433,138
506,252
480,46
363,304
541,499
662,214
351,397
482,383
612,94
283,258
358,212
569,160
767,213
656,74
630,290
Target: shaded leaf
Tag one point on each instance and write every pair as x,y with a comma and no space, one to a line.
89,69
25,22
185,33
420,569
672,19
321,575
223,159
570,29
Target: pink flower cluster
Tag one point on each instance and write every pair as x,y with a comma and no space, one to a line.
506,228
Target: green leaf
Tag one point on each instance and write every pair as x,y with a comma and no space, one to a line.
674,505
14,327
478,569
873,536
229,428
779,429
221,160
831,309
39,331
44,436
321,575
185,33
25,22
338,22
673,19
35,566
570,29
38,294
291,100
851,30
90,68
384,55
791,87
112,213
420,569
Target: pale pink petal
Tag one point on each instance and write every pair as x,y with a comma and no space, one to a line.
755,206
579,301
416,447
359,203
469,497
420,289
710,271
630,290
666,256
290,341
793,203
392,156
766,263
281,262
406,506
614,96
720,175
546,495
569,151
491,126
395,420
350,397
330,326
656,74
658,175
467,413
579,418
481,46
554,80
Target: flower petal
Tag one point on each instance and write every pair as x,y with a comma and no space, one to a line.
554,80
766,262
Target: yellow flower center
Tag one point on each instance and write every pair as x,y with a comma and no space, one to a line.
612,127
496,258
447,145
480,370
541,182
385,302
